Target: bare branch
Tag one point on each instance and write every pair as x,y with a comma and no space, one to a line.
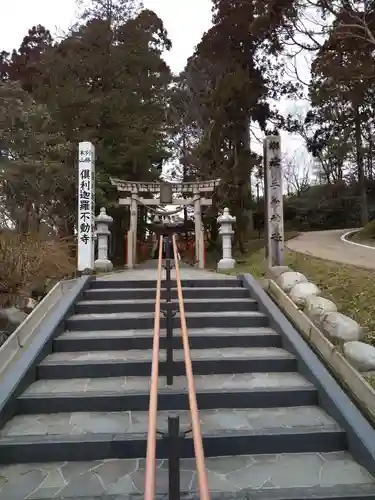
297,173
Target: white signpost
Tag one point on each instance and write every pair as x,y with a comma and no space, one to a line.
86,206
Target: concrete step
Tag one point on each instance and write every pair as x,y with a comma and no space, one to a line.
138,362
256,390
199,338
102,435
148,305
150,293
230,281
126,321
289,476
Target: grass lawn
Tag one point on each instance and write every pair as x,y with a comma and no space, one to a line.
366,235
364,241
351,288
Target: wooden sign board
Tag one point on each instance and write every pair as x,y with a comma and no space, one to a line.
166,197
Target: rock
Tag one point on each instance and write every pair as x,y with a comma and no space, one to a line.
40,290
339,327
30,304
3,337
10,319
26,304
301,291
287,280
317,307
278,270
87,272
14,315
49,284
360,355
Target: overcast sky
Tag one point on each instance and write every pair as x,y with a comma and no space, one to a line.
185,20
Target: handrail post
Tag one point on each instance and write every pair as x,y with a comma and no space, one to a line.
174,457
168,280
169,342
169,312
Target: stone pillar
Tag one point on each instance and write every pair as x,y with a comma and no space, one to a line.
226,222
265,199
103,221
132,233
199,237
274,201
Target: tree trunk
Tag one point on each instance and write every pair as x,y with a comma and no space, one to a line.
242,172
247,186
369,159
119,230
360,166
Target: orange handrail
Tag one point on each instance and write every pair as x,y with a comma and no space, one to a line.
150,473
195,423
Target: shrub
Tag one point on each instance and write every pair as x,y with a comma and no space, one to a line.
27,261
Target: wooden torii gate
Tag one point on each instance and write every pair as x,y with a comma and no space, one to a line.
169,194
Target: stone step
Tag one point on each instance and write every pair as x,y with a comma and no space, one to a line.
138,362
199,338
289,476
150,293
125,321
148,305
103,435
228,281
256,390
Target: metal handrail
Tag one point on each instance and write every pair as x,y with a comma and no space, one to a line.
150,472
195,423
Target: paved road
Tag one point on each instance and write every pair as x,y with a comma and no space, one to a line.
328,245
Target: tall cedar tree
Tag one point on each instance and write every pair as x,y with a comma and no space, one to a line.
234,71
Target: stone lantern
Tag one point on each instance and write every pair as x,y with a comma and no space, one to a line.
103,221
226,222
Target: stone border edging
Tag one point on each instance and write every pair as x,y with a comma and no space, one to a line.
357,385
23,370
344,238
360,434
337,327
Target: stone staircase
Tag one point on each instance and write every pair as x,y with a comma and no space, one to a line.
80,429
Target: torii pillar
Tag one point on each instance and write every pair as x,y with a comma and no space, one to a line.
132,233
199,236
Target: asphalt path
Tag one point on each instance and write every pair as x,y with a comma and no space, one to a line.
329,245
